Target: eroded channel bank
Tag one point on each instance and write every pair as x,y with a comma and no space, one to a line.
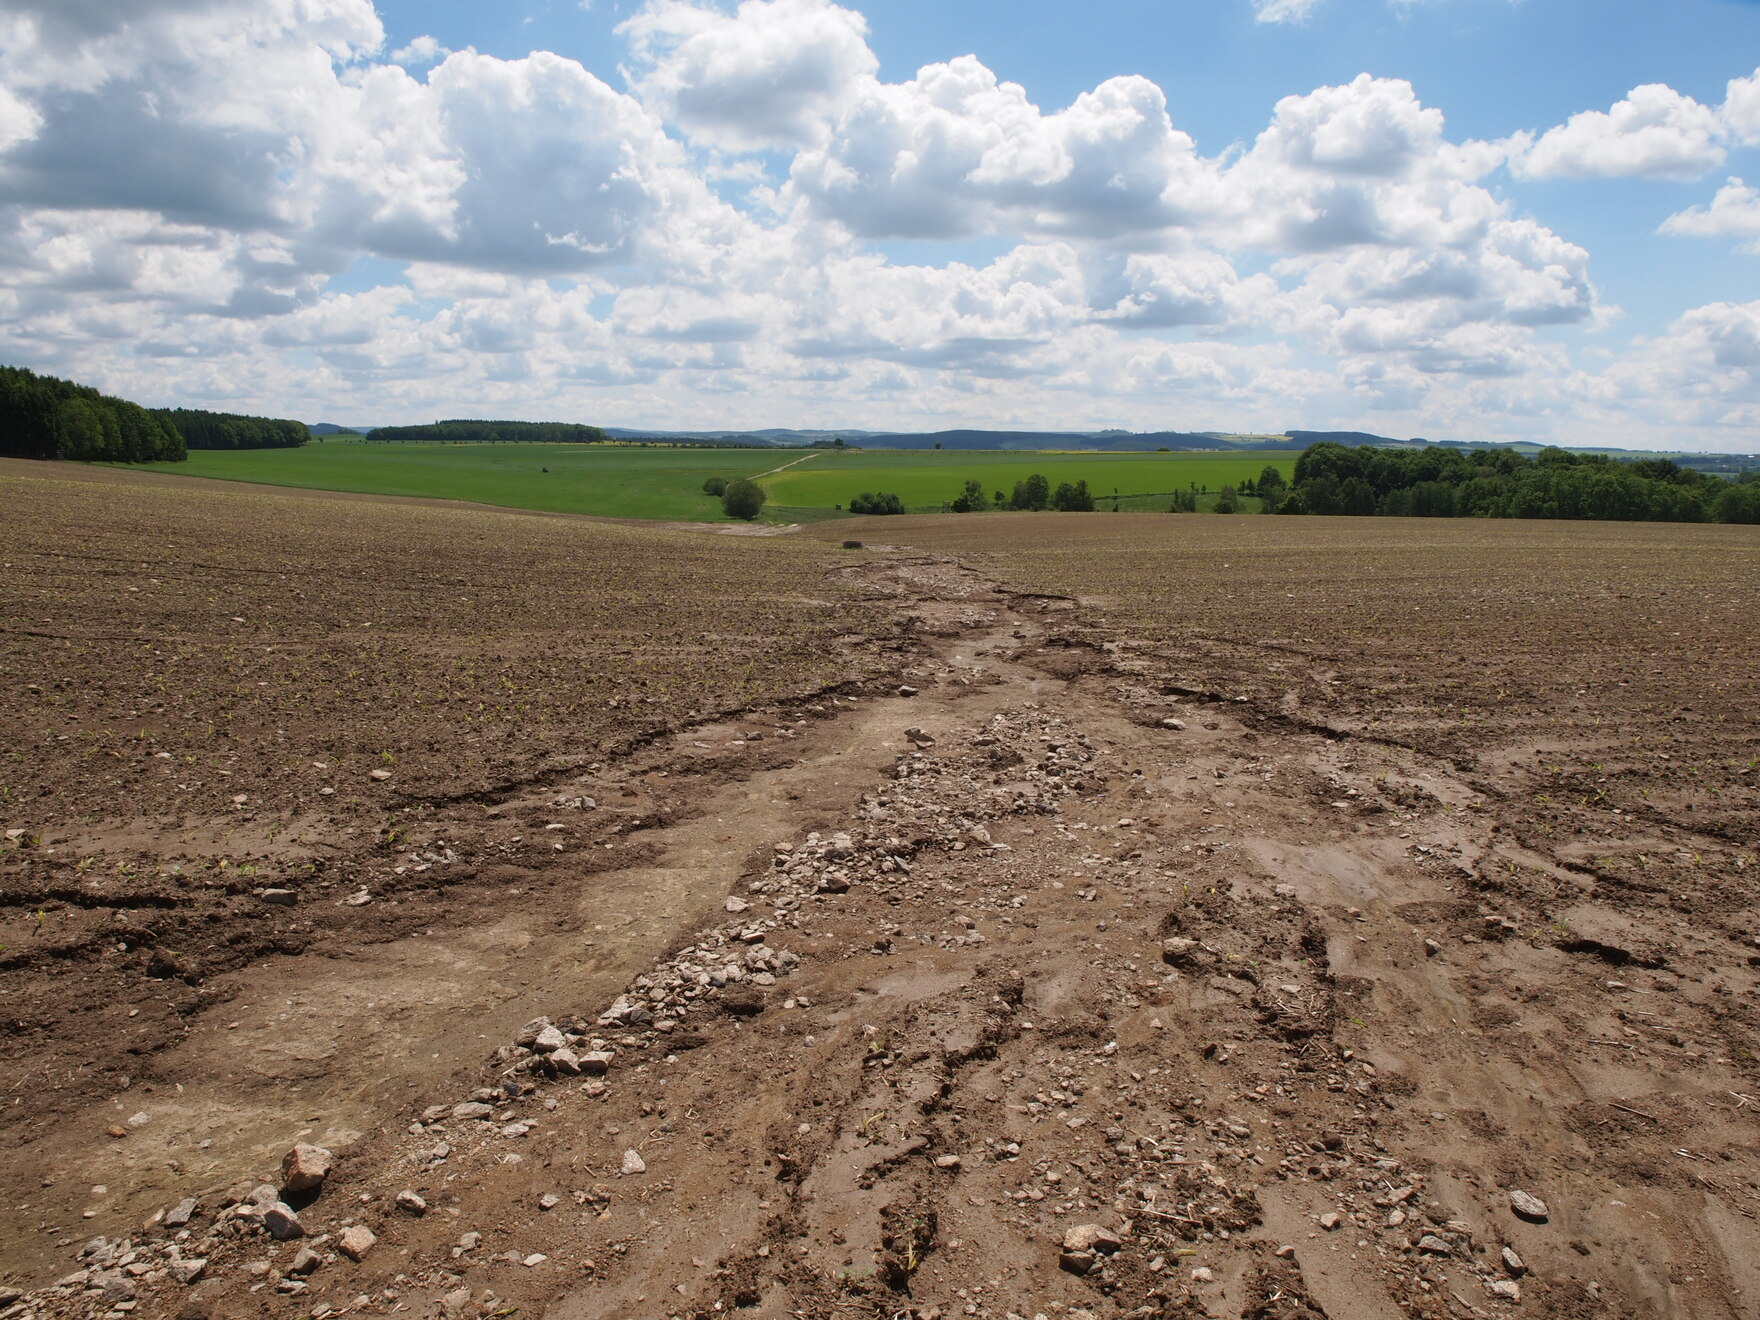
1033,983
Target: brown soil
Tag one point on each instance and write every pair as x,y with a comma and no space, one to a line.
1364,943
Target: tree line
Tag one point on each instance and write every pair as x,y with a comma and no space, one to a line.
490,433
1501,483
212,430
47,417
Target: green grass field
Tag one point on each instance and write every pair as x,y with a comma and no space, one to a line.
926,479
632,481
611,480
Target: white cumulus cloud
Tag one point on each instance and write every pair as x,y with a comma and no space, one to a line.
1655,132
769,74
1733,213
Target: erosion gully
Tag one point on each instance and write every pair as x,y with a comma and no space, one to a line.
1111,999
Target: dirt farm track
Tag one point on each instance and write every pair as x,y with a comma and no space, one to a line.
1029,915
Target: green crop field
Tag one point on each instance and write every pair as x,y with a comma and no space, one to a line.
619,481
630,481
927,479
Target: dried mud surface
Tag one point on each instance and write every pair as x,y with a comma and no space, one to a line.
1129,917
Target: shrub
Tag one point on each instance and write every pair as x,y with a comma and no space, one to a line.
743,498
1033,493
883,502
972,499
716,486
1073,499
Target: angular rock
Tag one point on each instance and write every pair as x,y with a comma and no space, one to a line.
410,1201
356,1241
1514,1263
304,1168
181,1213
596,1063
549,1040
633,1163
1092,1237
1529,1207
187,1269
1178,950
471,1109
278,897
1508,1289
1434,1245
282,1223
305,1261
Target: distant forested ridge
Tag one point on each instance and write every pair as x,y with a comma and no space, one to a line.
46,417
489,433
212,430
1332,478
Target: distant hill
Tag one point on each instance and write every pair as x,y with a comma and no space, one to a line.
1302,439
331,428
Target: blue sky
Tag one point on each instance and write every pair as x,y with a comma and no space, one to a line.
1497,219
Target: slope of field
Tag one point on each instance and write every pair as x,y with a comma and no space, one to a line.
211,695
607,480
1179,918
925,481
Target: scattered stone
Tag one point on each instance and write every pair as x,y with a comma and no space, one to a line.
949,1162
633,1163
187,1269
1092,1237
356,1241
278,897
1508,1289
1331,1220
410,1201
380,775
1431,948
304,1168
906,690
536,1258
596,1063
305,1261
1434,1245
549,1040
1085,1246
549,1201
1514,1263
1529,1207
1171,723
181,1213
281,1223
736,905
1178,950
471,1109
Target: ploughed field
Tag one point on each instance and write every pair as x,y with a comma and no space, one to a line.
1074,915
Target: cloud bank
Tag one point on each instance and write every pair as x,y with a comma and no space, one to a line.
232,203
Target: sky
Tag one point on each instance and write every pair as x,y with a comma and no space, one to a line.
1489,220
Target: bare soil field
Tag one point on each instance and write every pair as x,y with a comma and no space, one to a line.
1075,917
